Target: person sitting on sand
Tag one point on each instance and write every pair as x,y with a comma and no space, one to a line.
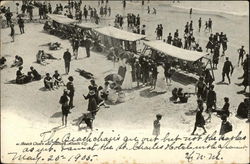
54,46
182,96
2,62
88,119
242,110
36,75
48,82
225,108
20,77
39,58
174,94
101,97
17,62
57,79
225,125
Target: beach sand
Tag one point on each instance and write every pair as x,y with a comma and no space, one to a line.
27,110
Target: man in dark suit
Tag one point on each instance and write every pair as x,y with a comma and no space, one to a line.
67,60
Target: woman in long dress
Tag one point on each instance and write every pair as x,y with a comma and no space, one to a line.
128,83
161,85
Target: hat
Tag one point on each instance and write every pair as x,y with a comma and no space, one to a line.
70,78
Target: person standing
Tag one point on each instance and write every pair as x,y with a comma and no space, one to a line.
12,32
21,25
67,60
241,52
64,101
157,125
87,46
92,105
210,25
200,88
190,13
75,47
227,68
71,88
211,101
8,16
199,24
200,121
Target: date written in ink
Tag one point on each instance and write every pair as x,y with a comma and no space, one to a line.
203,156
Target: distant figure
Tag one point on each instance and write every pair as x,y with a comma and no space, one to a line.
157,125
241,52
200,121
227,68
124,4
21,25
12,32
87,46
210,25
190,13
64,101
154,11
199,24
67,60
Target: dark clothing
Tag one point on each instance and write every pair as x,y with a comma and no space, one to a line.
87,46
224,110
36,75
200,121
225,127
242,111
21,25
67,60
67,56
92,106
64,100
227,66
71,89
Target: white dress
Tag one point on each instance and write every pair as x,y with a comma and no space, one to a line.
161,85
128,83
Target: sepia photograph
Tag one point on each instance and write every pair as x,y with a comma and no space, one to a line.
124,81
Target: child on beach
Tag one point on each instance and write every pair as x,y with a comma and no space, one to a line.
157,125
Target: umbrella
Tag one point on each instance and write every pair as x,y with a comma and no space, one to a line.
113,77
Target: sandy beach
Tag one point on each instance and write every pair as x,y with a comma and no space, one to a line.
28,109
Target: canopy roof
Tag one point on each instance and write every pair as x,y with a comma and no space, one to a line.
119,34
61,19
174,51
87,25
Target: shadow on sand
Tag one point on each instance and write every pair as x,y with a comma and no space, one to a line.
56,115
148,93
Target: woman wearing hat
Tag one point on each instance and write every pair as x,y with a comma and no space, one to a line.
92,106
